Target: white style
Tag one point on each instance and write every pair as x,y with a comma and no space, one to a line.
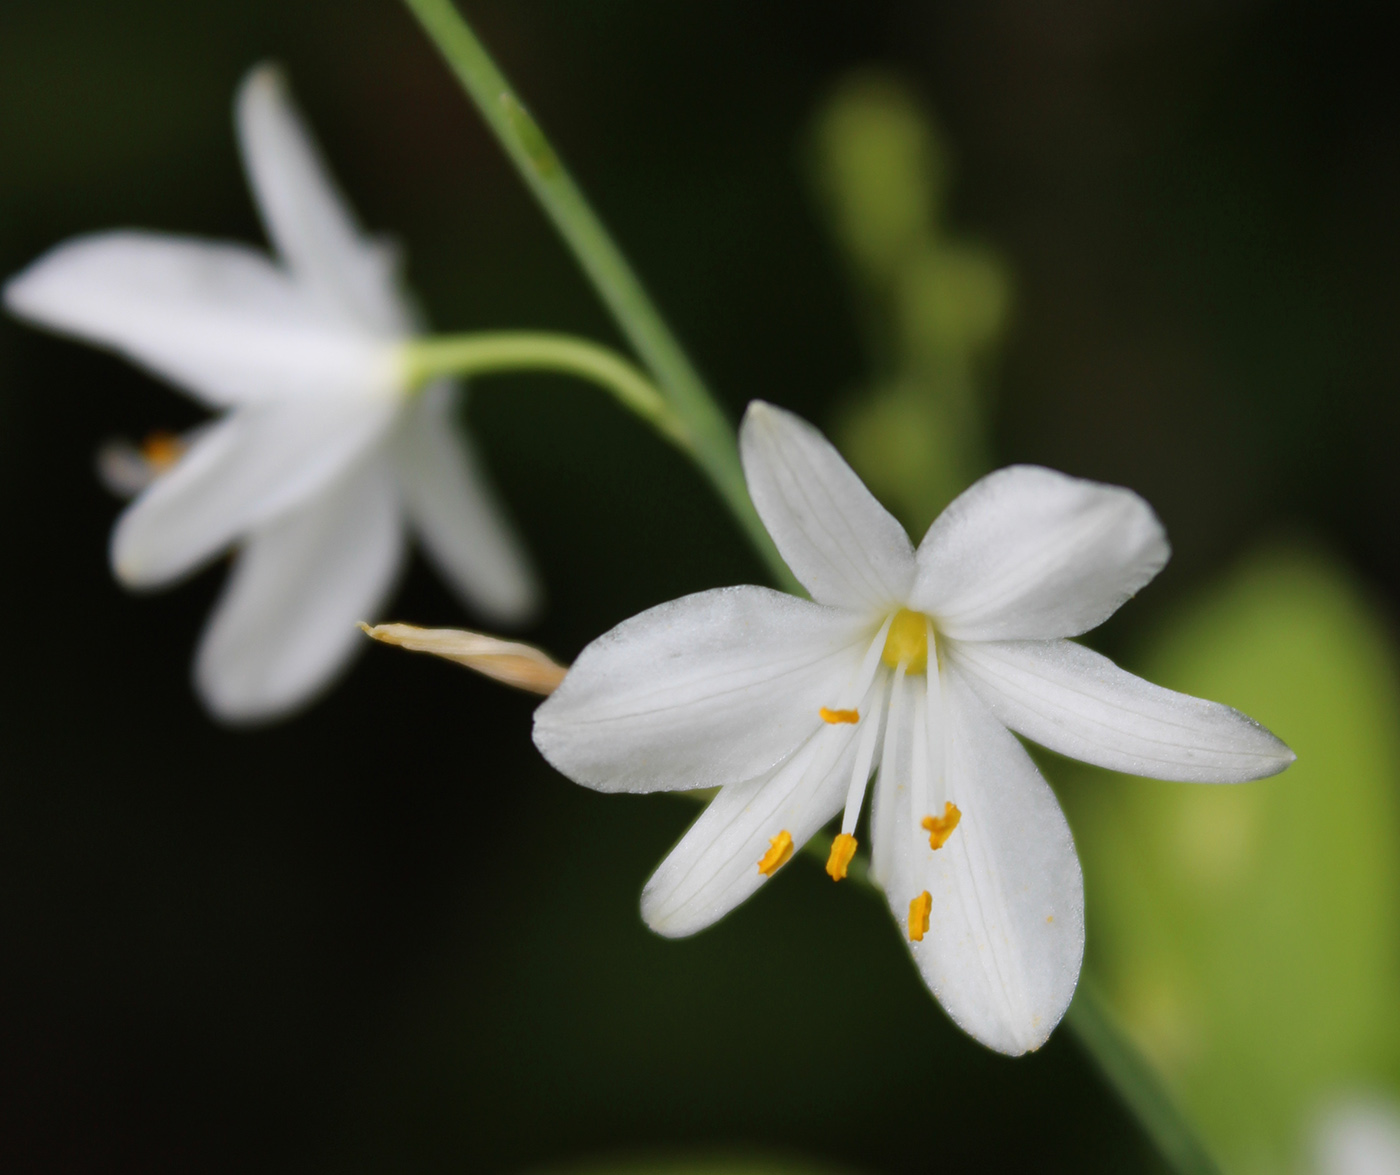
921,663
324,453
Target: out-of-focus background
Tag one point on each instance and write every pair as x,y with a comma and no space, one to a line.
1153,244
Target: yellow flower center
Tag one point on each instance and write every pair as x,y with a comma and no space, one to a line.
907,641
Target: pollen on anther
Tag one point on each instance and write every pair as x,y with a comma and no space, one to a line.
919,910
940,828
843,848
162,449
835,716
779,850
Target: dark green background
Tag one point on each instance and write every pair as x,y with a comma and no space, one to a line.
385,936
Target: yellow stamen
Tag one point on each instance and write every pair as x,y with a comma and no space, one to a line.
940,828
919,910
162,449
779,850
835,716
843,848
907,641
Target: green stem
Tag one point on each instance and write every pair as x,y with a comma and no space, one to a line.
480,354
1137,1083
708,437
712,438
1126,1069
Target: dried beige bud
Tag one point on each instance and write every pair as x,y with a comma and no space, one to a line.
510,662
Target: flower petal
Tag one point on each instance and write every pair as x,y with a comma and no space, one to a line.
845,547
1028,553
306,217
1005,937
286,622
714,867
457,514
1079,703
707,690
220,321
238,474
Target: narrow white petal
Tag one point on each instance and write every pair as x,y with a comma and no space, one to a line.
219,321
123,469
238,474
456,512
707,690
1081,704
715,865
286,622
840,542
1028,553
306,217
1005,938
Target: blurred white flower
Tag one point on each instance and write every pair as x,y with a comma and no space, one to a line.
920,661
324,452
1358,1136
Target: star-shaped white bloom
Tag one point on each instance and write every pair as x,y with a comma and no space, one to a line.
324,452
920,663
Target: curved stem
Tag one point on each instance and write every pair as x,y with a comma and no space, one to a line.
1137,1083
480,354
710,440
711,436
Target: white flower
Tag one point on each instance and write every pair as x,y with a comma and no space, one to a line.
788,706
323,454
1358,1135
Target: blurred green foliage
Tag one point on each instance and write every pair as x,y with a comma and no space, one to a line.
934,304
1250,935
310,948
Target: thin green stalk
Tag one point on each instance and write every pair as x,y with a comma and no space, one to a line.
712,437
1137,1083
480,354
714,449
1126,1069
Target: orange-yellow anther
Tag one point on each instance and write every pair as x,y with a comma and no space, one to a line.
835,716
919,910
162,449
779,850
843,848
907,641
940,828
